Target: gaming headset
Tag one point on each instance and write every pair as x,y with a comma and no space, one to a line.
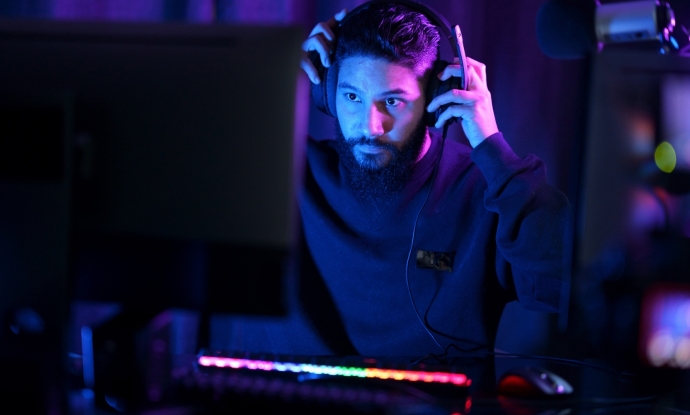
324,93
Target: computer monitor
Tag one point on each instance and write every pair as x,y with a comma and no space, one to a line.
177,149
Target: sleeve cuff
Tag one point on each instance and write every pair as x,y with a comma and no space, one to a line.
495,158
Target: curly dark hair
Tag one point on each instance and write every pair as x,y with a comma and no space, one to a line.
392,31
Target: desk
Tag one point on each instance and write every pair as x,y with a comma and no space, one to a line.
596,391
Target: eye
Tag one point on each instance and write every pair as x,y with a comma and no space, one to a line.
351,97
392,102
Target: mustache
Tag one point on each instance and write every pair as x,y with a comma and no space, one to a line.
371,142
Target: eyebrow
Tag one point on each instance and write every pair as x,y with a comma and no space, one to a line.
397,91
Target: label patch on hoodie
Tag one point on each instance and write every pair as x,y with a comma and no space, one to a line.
440,261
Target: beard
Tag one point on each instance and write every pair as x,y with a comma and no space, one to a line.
370,176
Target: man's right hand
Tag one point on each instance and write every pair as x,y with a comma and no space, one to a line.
321,41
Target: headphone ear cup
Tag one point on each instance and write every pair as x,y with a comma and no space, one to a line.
323,93
318,92
330,83
436,87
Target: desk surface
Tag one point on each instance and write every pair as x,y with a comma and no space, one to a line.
597,389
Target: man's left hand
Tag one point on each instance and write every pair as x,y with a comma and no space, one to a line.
472,106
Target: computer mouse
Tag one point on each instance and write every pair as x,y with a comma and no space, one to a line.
533,382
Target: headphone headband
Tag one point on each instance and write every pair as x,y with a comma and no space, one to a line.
438,20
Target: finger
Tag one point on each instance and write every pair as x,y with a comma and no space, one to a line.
310,70
473,61
318,44
326,28
332,23
479,67
323,28
476,83
454,96
450,71
455,111
340,15
456,70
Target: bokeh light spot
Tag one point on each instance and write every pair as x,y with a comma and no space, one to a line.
660,348
665,157
682,354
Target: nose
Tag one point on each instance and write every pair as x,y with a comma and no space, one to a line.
373,125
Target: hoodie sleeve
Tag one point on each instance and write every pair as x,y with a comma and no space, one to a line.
534,241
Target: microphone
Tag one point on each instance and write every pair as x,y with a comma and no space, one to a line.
572,29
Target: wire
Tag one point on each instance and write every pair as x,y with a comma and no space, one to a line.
414,232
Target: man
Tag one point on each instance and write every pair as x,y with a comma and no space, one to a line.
393,264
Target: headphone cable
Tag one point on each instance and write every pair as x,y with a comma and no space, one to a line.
414,232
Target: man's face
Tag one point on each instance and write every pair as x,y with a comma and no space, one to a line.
379,108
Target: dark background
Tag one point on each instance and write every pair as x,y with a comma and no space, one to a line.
536,99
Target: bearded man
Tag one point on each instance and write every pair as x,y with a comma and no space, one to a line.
410,244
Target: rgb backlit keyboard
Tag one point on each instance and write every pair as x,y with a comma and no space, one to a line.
352,367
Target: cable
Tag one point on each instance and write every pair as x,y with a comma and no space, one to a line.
414,232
